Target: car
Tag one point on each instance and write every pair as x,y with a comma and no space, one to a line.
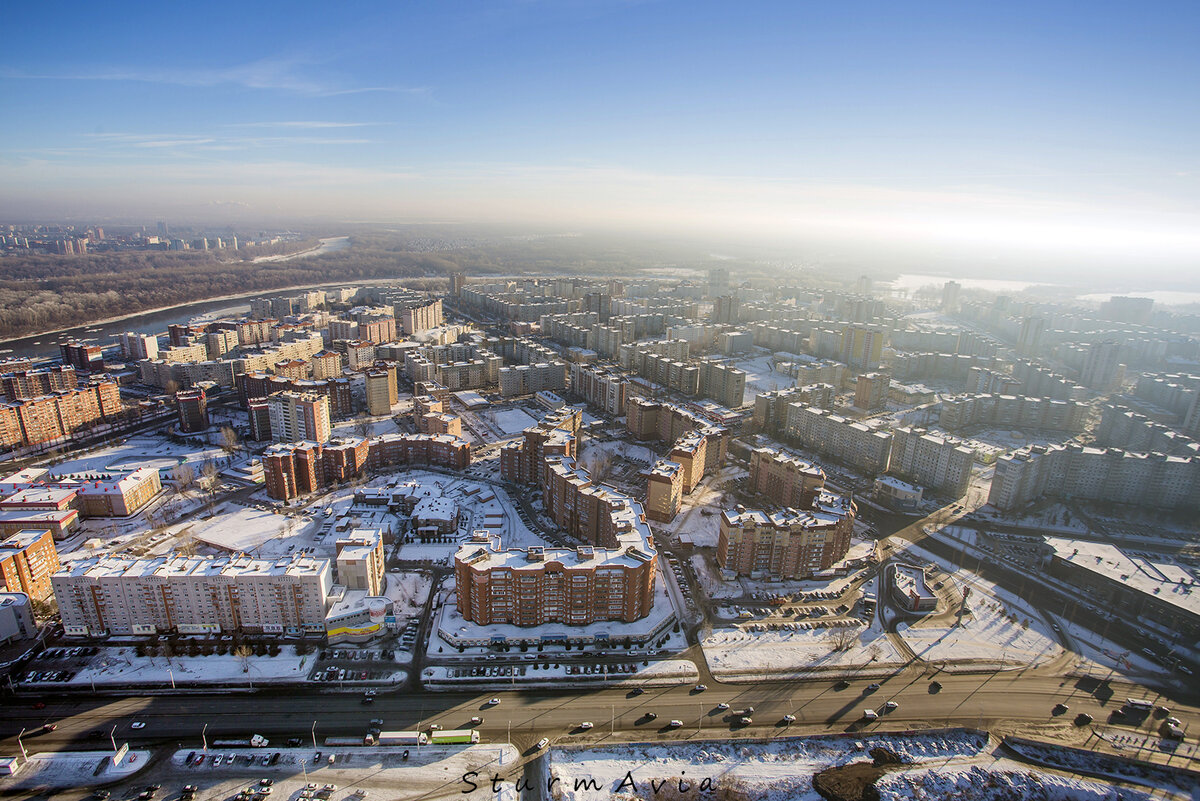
1059,708
1162,711
293,742
650,716
890,706
101,795
675,724
329,788
316,757
435,727
841,684
40,705
870,714
872,687
1173,722
745,720
266,782
789,718
587,724
542,743
722,706
636,691
493,701
1083,719
137,724
265,761
49,726
935,686
701,688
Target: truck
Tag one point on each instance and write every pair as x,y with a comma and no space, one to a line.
455,736
338,742
403,738
255,741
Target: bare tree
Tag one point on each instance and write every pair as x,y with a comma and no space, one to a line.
184,476
243,653
843,638
229,440
362,426
601,466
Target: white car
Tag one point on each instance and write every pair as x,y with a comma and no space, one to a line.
722,706
475,721
675,724
587,724
890,705
701,688
542,743
493,702
870,714
137,724
789,718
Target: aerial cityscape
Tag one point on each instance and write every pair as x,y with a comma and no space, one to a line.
486,412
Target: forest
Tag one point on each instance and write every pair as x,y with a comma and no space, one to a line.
44,293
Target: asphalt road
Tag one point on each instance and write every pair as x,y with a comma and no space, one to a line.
974,700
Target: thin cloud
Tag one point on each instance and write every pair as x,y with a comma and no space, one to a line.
266,74
300,124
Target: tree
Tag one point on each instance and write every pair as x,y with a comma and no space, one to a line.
243,653
43,610
362,426
229,440
184,476
211,481
843,638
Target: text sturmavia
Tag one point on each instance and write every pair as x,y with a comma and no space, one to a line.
471,783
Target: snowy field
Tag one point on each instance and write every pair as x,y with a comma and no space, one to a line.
988,634
124,666
991,635
429,772
616,448
259,532
781,770
510,421
408,591
735,654
999,780
377,427
68,770
139,452
760,377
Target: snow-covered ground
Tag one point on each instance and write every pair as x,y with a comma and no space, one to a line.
761,377
999,780
140,451
735,653
71,769
616,448
781,770
124,666
255,531
377,426
991,634
511,421
408,591
431,771
557,674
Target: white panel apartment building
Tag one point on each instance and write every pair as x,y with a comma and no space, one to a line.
525,379
193,595
850,443
936,462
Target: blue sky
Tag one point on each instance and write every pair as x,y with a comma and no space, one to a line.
1048,126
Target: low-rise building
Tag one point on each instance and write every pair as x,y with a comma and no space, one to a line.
909,588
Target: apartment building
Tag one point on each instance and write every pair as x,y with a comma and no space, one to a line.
523,461
724,383
1153,480
360,561
784,480
933,461
21,384
847,442
771,408
666,422
299,468
138,346
32,421
1013,411
297,416
862,346
788,544
28,559
664,490
537,585
121,595
382,394
526,379
871,391
259,385
192,406
602,387
416,317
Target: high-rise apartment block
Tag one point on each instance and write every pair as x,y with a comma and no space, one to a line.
871,391
932,461
27,561
789,544
121,595
192,406
297,417
138,346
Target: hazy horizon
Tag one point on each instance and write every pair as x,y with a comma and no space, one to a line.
1040,139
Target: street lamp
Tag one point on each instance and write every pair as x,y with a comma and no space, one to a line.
314,735
204,736
20,744
112,735
303,768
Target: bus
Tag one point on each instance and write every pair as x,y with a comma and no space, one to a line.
455,736
1140,706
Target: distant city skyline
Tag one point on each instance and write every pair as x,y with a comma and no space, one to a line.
1052,133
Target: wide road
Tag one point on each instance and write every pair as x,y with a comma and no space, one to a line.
819,706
